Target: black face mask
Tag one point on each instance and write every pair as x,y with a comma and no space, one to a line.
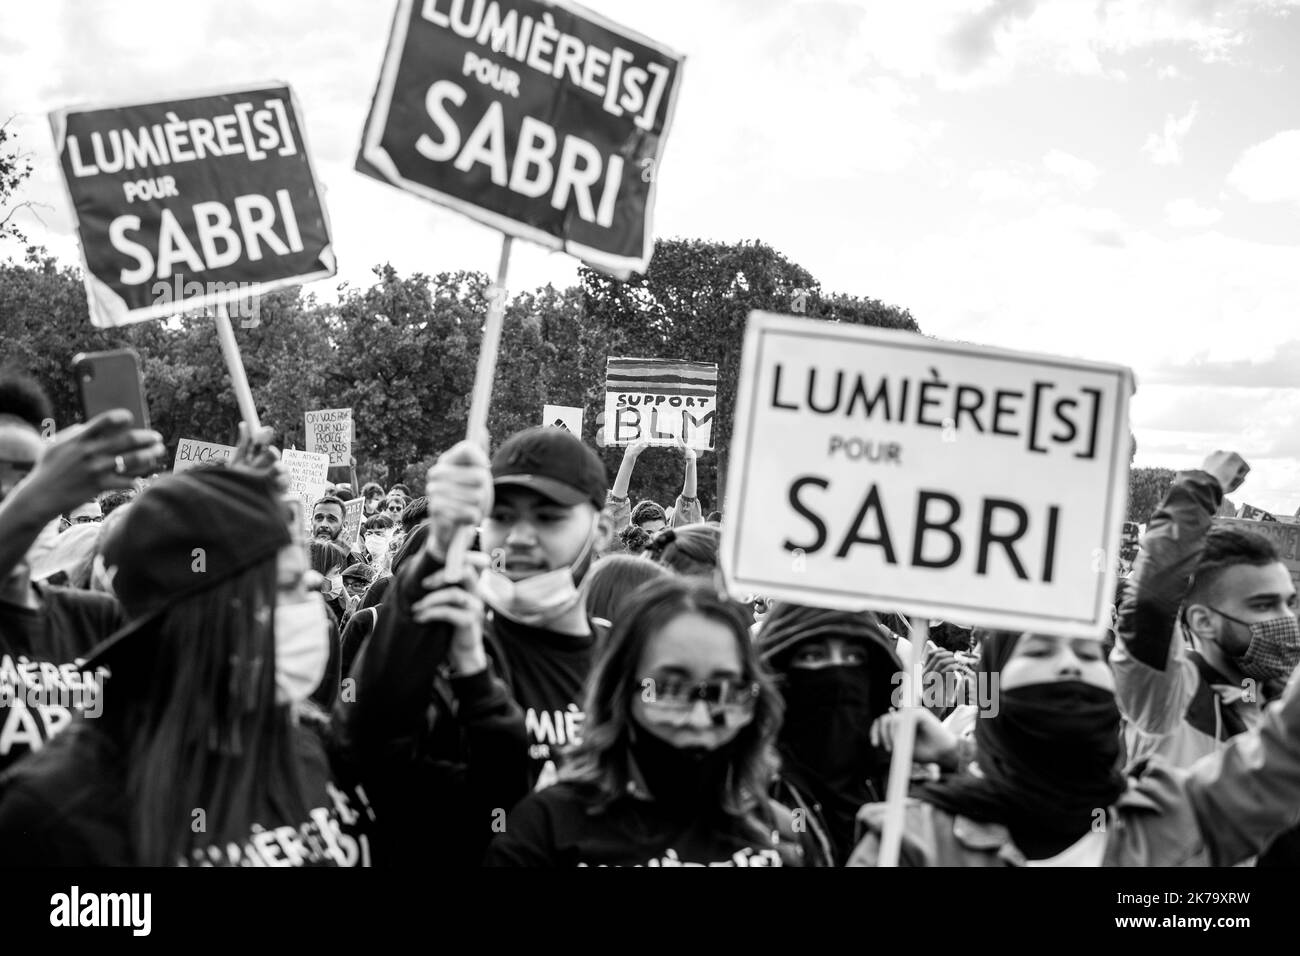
683,780
827,725
1049,761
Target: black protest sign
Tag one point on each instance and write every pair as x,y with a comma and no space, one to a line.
192,202
534,118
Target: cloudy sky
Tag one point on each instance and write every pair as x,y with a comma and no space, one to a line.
1112,179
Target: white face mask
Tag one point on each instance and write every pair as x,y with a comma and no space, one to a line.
302,649
376,544
538,600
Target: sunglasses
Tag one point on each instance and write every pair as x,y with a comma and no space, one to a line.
731,699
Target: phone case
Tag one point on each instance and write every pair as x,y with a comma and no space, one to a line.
108,380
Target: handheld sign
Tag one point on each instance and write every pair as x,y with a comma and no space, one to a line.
1252,513
193,202
329,432
883,469
306,476
191,453
563,416
352,515
540,119
659,401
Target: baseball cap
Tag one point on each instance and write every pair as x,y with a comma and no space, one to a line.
554,463
228,520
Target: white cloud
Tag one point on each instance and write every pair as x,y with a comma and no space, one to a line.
1270,171
1077,172
1170,72
1166,147
1002,185
1189,214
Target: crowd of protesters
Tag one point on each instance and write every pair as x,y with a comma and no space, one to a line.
189,677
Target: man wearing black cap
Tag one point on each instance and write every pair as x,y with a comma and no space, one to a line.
539,508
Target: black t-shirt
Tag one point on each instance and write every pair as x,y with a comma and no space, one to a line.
66,806
546,672
41,686
555,828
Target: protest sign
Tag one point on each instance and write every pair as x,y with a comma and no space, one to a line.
882,469
1129,542
190,453
542,120
306,476
563,416
329,432
659,401
1252,513
352,515
193,202
1285,537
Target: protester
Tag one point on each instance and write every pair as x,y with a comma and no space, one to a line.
327,519
209,711
344,492
372,494
110,501
43,627
650,516
676,753
610,583
540,534
1050,790
836,672
376,535
70,561
327,559
692,550
87,512
394,505
399,489
635,541
1196,655
413,514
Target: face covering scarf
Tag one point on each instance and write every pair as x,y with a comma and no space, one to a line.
684,781
541,599
826,739
1049,759
302,650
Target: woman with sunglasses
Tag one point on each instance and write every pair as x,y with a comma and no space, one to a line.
676,752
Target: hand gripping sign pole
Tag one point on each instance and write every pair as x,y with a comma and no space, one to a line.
238,379
484,375
900,767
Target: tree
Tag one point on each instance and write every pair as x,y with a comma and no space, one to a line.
15,169
693,303
1147,487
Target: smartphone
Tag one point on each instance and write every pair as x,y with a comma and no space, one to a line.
107,380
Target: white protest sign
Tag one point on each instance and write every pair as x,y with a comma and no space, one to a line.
660,401
882,469
306,476
329,432
191,452
563,416
352,515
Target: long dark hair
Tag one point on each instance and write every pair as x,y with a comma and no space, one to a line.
601,760
191,704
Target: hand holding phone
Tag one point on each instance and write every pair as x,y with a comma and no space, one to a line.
104,454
